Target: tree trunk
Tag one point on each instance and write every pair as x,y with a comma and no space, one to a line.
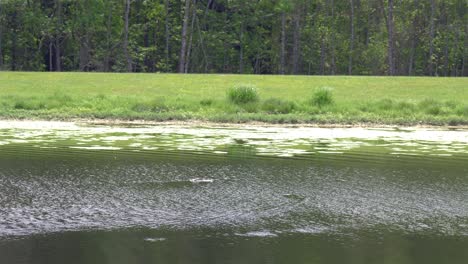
208,4
413,41
367,29
296,41
465,41
13,52
463,66
447,42
283,43
446,46
226,47
84,53
333,52
189,50
183,47
431,38
391,52
58,62
1,53
454,70
58,66
256,67
411,57
446,56
351,40
241,52
322,56
202,45
50,56
1,35
106,66
125,44
167,33
14,41
225,60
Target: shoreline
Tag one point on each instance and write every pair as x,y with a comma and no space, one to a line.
202,123
122,99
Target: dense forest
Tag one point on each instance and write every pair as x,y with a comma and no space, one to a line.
316,37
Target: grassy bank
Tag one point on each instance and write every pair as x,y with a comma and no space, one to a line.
279,99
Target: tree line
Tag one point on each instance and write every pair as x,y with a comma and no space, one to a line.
312,37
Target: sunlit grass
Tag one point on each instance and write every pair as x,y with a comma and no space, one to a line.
278,99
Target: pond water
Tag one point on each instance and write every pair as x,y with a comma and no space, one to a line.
183,194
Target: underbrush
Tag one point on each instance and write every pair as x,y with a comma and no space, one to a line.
278,106
321,108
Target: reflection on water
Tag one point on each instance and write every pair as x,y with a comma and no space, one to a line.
246,195
274,141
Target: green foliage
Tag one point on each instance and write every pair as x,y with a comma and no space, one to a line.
406,106
386,104
433,110
156,105
250,107
22,105
431,106
206,102
278,106
428,103
29,104
243,94
242,37
462,110
322,97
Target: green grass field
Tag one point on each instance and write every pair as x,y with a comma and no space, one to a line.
282,99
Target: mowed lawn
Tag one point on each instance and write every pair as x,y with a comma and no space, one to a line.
380,100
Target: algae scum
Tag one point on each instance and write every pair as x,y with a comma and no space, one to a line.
184,194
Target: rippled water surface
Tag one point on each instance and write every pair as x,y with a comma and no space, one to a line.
182,194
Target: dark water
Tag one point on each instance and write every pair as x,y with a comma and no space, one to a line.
105,195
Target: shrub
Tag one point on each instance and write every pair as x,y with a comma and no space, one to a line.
206,102
406,106
434,110
20,105
278,106
428,103
450,104
462,110
431,106
157,105
30,104
385,104
251,107
243,94
101,96
365,107
313,110
60,96
322,97
391,105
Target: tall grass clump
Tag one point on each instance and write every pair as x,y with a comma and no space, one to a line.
243,94
157,105
29,104
385,104
278,106
431,106
322,97
462,110
206,102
